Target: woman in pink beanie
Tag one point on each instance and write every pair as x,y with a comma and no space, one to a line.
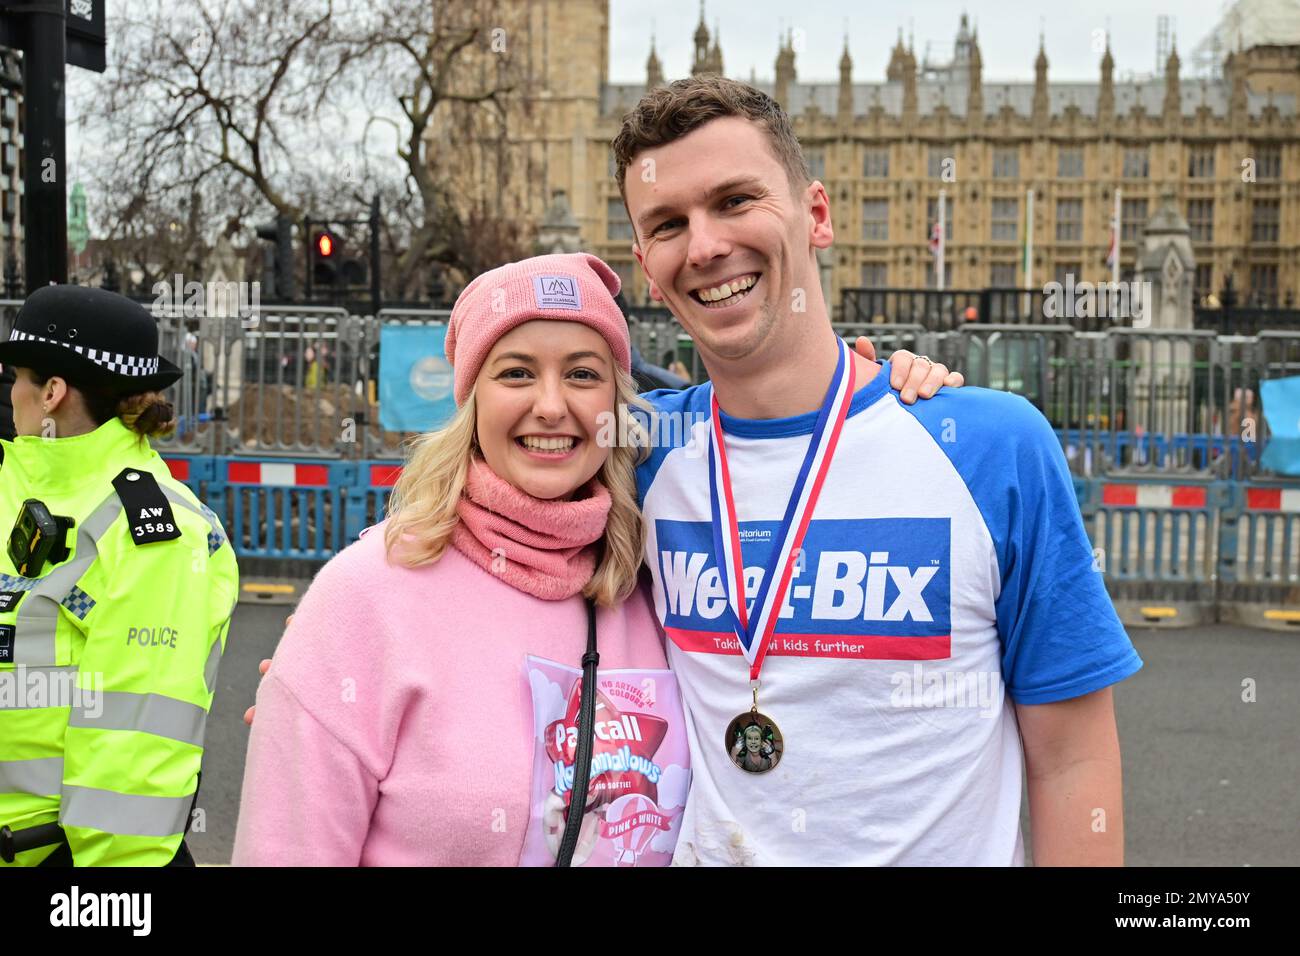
422,707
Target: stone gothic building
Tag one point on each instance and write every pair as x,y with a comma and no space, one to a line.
1227,145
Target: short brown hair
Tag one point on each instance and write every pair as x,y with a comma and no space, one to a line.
668,113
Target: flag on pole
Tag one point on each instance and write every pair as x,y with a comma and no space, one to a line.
1027,255
1027,242
1112,254
937,237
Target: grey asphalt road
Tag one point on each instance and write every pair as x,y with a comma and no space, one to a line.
1209,778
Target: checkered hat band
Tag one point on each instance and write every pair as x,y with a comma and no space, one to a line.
113,361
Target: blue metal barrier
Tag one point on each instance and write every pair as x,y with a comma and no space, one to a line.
1155,542
1220,456
196,472
1259,555
368,494
282,509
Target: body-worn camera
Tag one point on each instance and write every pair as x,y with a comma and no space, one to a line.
37,537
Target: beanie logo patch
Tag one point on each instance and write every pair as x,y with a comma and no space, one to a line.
557,292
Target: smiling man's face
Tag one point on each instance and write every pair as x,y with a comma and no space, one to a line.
727,242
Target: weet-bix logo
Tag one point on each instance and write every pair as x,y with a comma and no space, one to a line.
557,292
877,576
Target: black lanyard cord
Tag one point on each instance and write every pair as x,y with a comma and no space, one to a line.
586,735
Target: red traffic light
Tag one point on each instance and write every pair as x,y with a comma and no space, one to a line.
325,245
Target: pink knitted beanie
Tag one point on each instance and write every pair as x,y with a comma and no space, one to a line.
577,287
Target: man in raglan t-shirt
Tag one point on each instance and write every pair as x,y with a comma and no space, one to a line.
920,605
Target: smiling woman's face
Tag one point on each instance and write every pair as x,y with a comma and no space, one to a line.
540,397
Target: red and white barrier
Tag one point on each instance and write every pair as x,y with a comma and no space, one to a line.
1154,496
1273,499
384,476
276,473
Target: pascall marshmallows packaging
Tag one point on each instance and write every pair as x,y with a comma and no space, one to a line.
640,768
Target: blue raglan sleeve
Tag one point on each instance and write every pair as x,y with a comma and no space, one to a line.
1061,637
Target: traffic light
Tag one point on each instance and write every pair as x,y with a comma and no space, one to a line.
278,274
339,269
324,259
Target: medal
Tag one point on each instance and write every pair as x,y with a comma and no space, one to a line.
753,740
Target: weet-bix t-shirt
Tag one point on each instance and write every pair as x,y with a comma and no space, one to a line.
945,575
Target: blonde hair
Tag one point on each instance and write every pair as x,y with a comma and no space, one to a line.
422,509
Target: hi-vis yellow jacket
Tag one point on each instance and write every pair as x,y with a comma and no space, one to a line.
108,659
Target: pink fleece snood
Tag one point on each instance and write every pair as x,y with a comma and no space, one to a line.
544,548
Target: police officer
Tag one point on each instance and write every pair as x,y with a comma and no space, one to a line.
116,591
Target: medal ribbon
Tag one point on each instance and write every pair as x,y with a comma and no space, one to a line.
755,636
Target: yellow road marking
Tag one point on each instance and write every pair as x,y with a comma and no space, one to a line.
270,588
1282,615
1159,612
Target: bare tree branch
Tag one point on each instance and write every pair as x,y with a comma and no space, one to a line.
214,108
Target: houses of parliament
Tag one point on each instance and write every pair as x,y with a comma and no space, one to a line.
1226,144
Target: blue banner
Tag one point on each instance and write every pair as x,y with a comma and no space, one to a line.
1282,412
415,378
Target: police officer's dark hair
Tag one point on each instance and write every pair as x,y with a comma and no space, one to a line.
148,414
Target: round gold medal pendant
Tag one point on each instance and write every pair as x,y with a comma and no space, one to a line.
754,742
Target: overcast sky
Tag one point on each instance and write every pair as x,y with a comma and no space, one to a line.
1008,34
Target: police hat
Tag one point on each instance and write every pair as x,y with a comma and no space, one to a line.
90,337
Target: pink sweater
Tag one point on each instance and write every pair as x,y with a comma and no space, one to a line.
395,726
